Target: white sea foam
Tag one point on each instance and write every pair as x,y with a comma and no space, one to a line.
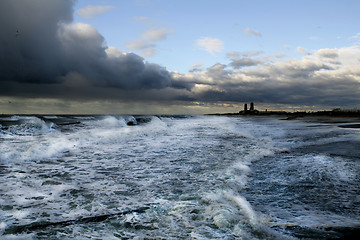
35,148
192,172
325,168
111,122
12,118
31,126
51,117
232,212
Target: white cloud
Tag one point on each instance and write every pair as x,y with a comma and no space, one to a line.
211,45
156,34
113,52
327,53
301,50
147,48
196,67
85,36
287,47
92,11
240,60
252,32
233,54
251,53
349,56
355,39
146,43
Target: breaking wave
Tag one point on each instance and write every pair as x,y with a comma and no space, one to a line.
196,177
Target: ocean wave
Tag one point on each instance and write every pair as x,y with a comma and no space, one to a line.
200,177
27,126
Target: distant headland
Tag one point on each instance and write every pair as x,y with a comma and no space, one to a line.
337,112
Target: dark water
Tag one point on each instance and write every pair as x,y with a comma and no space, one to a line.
177,177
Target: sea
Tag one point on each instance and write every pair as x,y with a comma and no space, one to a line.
178,177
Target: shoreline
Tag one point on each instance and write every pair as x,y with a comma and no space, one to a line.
340,119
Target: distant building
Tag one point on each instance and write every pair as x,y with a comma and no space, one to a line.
252,106
250,111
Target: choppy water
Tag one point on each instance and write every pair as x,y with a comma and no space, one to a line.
188,177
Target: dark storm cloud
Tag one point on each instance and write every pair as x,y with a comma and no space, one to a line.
29,48
39,46
86,54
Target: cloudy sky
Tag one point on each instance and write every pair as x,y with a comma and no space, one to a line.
167,56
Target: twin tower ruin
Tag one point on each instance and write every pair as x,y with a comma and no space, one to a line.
251,107
249,111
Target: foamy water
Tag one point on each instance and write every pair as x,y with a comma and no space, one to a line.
188,177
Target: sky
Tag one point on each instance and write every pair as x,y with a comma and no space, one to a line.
178,57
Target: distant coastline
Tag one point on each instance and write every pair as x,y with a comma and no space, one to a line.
294,115
337,112
346,118
341,118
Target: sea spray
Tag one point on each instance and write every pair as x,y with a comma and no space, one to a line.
200,177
